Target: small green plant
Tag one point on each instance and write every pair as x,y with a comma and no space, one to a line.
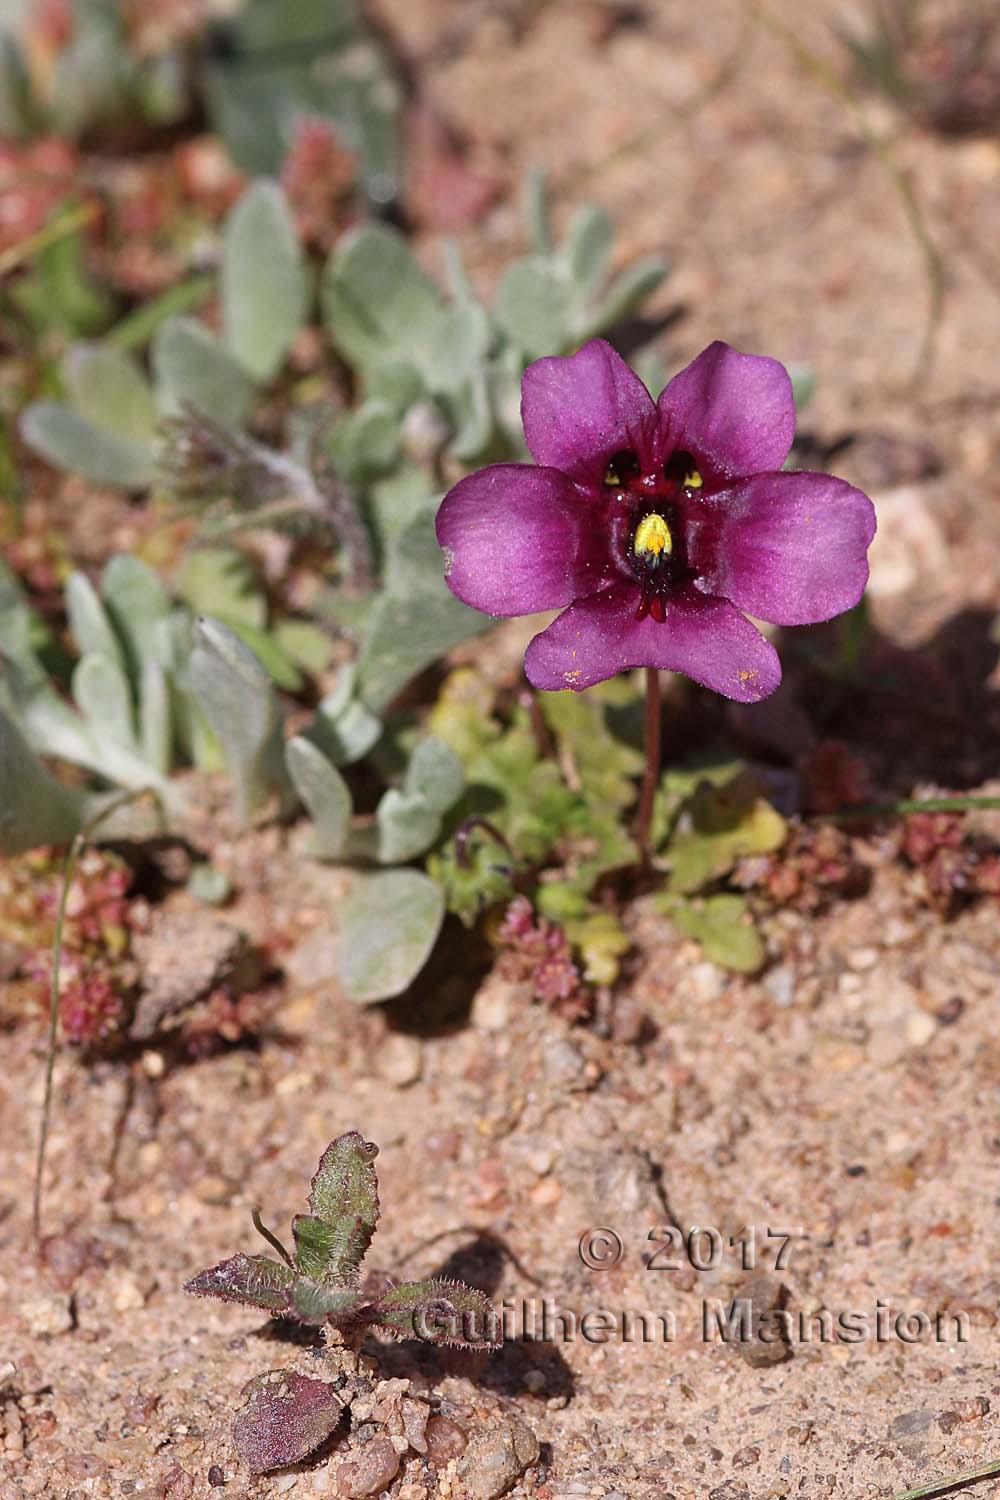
285,1415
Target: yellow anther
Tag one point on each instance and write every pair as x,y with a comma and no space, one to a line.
693,480
652,535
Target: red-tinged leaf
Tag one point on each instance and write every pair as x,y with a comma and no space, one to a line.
284,1417
255,1280
441,1312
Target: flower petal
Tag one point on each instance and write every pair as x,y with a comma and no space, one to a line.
790,548
706,639
579,410
518,539
734,412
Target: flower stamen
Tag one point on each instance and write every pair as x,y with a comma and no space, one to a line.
652,539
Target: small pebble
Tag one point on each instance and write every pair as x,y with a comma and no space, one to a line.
400,1059
491,1006
920,1027
48,1314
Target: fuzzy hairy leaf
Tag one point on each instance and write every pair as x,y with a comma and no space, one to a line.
344,1198
534,306
435,774
378,304
415,620
69,441
191,367
389,925
139,608
407,826
255,1280
283,1418
222,582
263,280
88,619
313,1302
101,692
440,1312
324,792
108,388
236,697
344,728
34,808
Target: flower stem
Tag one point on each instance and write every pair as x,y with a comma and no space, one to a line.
953,1481
79,842
651,775
907,806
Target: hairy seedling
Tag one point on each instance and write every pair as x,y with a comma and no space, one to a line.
287,1415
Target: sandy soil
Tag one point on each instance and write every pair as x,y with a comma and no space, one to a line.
849,1094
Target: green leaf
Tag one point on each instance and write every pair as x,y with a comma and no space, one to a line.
269,652
306,645
407,825
324,792
255,1280
416,620
534,307
389,925
456,344
314,1245
364,443
139,607
441,1312
101,692
435,774
68,441
88,620
602,943
718,826
155,718
378,304
263,283
313,1302
625,295
192,368
723,927
603,762
223,582
34,808
344,1197
107,387
58,292
344,729
587,249
235,694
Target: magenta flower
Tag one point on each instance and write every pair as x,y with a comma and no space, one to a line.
657,524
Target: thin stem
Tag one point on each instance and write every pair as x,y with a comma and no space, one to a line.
271,1237
651,775
933,262
908,806
76,847
952,1482
464,832
528,699
26,249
